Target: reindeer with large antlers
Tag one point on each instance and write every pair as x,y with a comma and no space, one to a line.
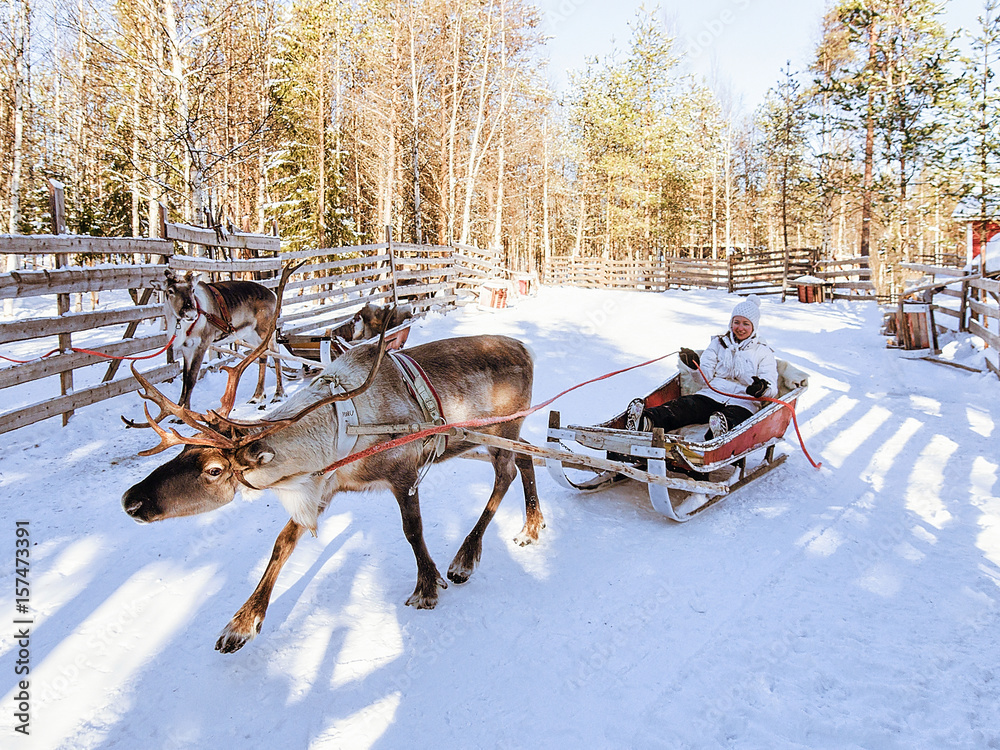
290,449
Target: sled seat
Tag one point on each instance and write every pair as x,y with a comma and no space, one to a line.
790,378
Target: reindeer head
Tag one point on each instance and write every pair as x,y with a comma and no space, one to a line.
200,479
371,320
178,295
212,467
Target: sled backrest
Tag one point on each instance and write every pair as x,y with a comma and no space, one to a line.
790,377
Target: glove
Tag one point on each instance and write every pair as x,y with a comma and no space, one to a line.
689,358
757,387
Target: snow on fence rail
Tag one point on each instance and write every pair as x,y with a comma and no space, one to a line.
327,291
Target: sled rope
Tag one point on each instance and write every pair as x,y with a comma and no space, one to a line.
481,422
787,405
89,351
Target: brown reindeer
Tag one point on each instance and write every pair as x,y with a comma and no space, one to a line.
288,452
199,314
375,319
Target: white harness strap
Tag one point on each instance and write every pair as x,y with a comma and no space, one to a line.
347,416
416,380
427,399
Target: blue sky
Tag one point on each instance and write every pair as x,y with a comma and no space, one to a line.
741,45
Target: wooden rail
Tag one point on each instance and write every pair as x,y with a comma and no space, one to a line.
328,290
974,307
760,272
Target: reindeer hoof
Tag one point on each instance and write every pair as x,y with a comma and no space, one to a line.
232,639
426,599
460,573
527,536
466,560
422,602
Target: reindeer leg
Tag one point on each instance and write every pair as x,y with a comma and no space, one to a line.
425,595
246,623
279,387
472,548
192,366
534,522
258,395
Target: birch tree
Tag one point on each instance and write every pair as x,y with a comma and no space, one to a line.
982,144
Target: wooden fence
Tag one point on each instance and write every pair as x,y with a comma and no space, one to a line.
962,301
760,272
332,285
847,279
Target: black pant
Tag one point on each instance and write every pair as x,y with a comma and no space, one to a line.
694,409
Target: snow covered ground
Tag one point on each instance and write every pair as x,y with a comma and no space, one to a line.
855,606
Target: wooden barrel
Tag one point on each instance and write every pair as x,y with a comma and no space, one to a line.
913,326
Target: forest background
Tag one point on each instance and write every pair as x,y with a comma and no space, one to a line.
332,120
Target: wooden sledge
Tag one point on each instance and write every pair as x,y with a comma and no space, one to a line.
326,347
685,473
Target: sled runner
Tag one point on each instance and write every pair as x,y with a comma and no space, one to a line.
685,473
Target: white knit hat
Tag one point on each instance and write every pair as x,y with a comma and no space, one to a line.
749,309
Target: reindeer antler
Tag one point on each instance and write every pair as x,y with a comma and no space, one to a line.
235,373
210,436
270,427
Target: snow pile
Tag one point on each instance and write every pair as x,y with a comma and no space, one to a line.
851,607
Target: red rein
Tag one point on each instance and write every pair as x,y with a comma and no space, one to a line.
89,351
404,439
483,422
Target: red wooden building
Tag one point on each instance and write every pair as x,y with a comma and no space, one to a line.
981,229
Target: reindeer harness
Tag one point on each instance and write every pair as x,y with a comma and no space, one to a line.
225,323
420,388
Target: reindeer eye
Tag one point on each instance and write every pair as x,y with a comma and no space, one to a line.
215,471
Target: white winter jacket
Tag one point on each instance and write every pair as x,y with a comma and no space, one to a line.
730,367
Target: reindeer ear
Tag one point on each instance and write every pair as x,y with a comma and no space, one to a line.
256,455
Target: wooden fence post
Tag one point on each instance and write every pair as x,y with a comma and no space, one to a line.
963,308
392,264
57,212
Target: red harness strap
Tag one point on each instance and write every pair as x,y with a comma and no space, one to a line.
225,323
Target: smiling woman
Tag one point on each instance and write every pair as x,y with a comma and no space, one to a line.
736,362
